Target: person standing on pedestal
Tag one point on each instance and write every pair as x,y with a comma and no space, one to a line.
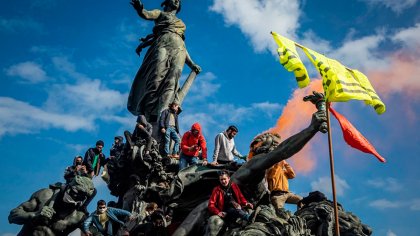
170,128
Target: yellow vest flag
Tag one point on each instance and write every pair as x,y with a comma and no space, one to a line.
290,59
342,84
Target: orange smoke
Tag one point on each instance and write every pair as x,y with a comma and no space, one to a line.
401,79
402,76
295,117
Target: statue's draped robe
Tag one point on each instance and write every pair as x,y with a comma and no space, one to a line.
157,81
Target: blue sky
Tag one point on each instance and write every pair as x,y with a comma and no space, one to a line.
66,68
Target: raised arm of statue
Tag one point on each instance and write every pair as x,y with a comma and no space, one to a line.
295,143
261,162
147,15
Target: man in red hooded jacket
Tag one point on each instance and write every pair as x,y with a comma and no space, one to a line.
192,143
226,203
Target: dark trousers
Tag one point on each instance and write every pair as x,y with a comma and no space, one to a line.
232,214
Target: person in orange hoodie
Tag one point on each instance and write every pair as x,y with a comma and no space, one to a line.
192,143
278,183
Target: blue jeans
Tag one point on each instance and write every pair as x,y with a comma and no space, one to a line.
171,134
185,161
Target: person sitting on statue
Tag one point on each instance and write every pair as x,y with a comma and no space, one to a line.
94,159
169,126
278,184
105,220
117,147
224,147
144,131
157,81
156,227
192,143
76,169
227,202
57,210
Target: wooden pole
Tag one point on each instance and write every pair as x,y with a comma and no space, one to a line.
337,226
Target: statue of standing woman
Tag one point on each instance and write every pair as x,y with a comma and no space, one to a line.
156,84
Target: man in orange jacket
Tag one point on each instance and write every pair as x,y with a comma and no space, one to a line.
192,143
278,183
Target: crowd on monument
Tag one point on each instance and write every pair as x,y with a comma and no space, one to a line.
157,164
226,203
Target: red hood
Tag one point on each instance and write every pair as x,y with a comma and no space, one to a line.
196,126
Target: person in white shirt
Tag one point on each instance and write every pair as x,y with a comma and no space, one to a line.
224,148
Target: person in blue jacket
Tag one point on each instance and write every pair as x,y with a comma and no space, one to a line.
105,220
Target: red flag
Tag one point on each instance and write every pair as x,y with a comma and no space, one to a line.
354,138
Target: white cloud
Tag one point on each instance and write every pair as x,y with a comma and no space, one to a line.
64,65
361,53
70,106
268,108
396,6
390,233
323,184
218,115
415,205
257,18
235,114
203,87
385,204
388,184
20,117
14,25
409,37
90,98
208,123
29,71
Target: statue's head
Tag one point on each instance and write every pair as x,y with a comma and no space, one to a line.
172,5
264,143
78,190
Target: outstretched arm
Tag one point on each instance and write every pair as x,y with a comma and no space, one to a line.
147,15
294,144
286,149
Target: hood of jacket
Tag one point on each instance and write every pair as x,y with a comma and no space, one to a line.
196,126
75,158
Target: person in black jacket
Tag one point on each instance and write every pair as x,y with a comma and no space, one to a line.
168,124
117,147
76,169
143,130
94,159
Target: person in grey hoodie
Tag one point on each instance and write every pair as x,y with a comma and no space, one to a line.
224,147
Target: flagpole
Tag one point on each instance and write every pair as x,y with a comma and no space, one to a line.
337,226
